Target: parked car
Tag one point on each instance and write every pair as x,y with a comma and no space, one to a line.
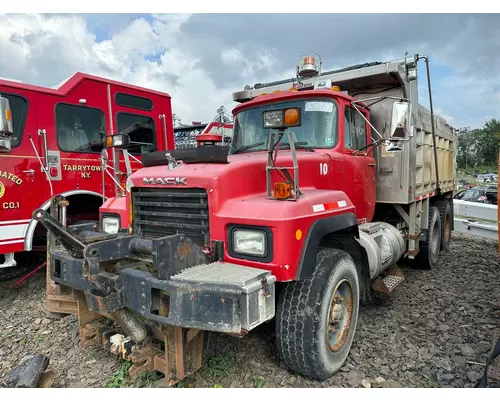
478,194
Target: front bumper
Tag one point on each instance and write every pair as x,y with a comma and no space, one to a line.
168,281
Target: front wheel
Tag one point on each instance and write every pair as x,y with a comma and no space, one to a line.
316,318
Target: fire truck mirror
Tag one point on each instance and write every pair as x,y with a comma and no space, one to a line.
104,159
6,125
399,121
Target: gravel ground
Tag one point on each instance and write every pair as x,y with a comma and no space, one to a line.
431,332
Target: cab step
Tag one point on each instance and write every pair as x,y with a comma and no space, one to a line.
389,280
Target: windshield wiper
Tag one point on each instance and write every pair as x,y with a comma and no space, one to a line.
299,145
248,147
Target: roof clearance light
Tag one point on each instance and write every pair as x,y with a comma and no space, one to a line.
335,88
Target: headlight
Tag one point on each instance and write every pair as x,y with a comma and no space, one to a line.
110,224
249,242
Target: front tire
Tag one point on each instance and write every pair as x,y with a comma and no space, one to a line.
316,318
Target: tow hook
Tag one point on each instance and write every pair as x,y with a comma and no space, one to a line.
265,286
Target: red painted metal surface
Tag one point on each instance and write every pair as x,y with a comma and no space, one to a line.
25,186
237,190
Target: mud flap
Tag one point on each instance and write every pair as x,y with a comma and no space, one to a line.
58,299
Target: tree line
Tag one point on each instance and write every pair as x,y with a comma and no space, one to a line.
478,148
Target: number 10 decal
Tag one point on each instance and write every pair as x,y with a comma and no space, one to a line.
323,168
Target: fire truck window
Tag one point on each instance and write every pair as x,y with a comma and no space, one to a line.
80,129
19,108
140,129
354,130
127,100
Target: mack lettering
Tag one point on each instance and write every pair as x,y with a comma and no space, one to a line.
164,181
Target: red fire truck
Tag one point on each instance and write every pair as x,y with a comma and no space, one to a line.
52,144
332,178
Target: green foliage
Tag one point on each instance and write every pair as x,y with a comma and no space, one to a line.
120,377
258,381
218,367
479,147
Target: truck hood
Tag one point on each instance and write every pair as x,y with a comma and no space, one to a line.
243,176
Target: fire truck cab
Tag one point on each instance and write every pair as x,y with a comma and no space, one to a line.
50,144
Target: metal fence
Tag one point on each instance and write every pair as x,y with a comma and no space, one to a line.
476,218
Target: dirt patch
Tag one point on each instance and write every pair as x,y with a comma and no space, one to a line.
431,332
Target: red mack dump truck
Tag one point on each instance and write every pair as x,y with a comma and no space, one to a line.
331,179
50,144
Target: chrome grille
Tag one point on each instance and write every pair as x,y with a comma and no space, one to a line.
161,212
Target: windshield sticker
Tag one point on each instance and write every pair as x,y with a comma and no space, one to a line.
320,106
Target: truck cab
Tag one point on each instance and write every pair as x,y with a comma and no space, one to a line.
55,145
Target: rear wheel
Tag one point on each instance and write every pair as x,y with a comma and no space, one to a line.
428,254
446,224
316,318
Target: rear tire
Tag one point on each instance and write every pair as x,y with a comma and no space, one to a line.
446,217
316,318
428,254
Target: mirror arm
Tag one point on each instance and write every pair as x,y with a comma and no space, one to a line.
360,113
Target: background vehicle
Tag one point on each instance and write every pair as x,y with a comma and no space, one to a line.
478,194
54,147
331,179
186,136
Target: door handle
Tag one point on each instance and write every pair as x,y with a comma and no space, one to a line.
29,171
43,133
372,165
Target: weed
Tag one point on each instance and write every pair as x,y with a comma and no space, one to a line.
218,367
218,386
120,377
258,381
146,379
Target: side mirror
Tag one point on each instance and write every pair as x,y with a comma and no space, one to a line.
5,145
400,111
120,141
394,146
6,125
104,159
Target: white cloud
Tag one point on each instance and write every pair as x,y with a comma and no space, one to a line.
201,68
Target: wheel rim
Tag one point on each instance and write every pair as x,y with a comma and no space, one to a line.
340,316
435,240
447,228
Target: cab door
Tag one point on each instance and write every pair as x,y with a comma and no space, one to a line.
21,176
360,164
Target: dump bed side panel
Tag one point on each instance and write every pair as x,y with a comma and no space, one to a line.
425,178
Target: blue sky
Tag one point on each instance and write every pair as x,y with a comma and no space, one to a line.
201,59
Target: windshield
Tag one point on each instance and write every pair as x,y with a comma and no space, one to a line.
318,127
